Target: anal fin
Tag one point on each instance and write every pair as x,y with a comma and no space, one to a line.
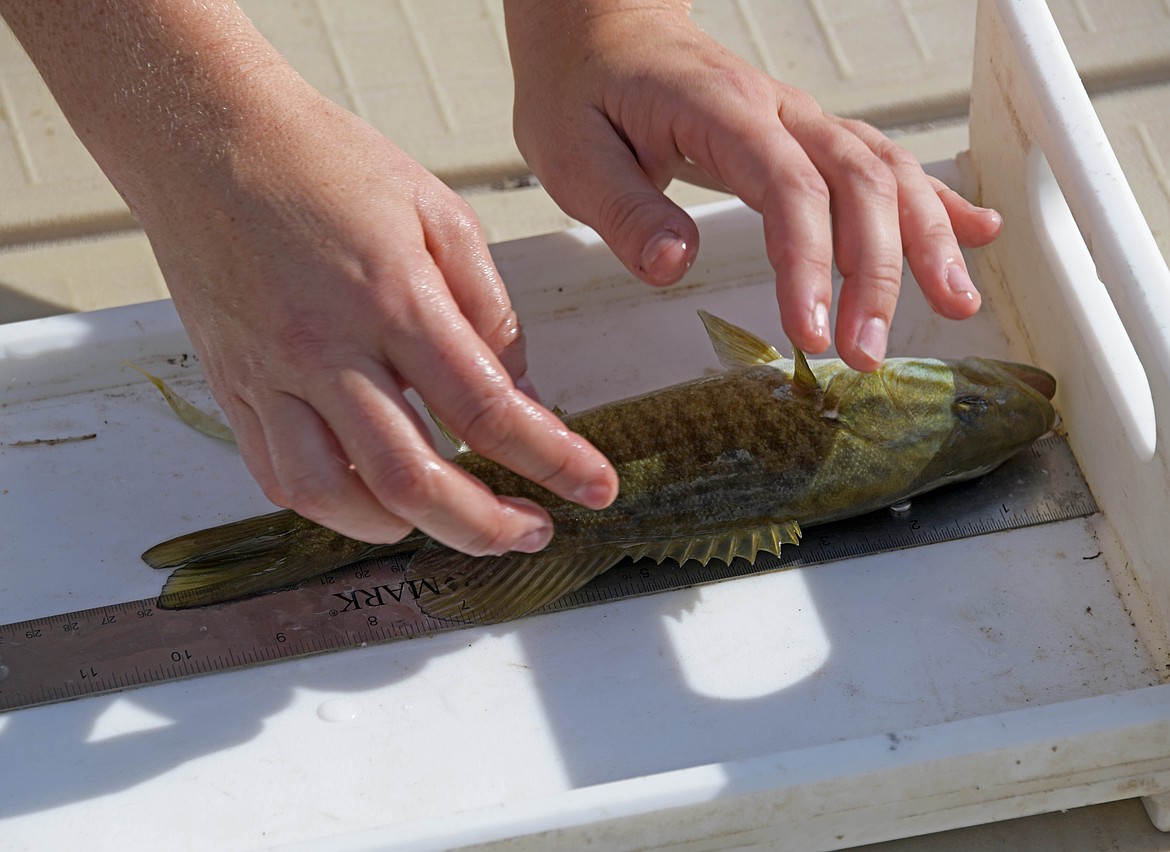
491,589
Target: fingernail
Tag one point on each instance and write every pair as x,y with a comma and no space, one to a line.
663,256
820,320
534,540
540,534
872,338
594,495
960,282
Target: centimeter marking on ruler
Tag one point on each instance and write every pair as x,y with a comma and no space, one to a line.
115,647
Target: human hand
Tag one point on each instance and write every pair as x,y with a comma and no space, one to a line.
320,272
614,99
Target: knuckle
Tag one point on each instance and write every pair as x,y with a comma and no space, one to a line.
619,215
808,183
302,344
884,279
895,156
798,103
275,493
505,336
860,129
885,149
874,177
483,542
413,484
792,255
310,350
747,85
460,223
936,230
554,472
309,496
489,427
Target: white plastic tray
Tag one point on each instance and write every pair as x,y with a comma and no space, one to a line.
817,708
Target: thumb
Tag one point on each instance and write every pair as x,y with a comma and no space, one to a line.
609,190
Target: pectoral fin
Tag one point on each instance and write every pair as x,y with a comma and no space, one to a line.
490,589
188,413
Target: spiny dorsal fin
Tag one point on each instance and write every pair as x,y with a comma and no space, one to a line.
802,374
724,546
736,347
489,589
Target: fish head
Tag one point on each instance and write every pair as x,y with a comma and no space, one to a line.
924,422
996,408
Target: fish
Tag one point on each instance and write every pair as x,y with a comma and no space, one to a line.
723,466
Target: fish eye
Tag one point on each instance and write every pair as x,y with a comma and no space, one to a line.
970,405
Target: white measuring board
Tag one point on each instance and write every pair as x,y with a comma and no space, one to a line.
137,643
416,734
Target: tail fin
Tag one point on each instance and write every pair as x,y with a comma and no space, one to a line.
255,556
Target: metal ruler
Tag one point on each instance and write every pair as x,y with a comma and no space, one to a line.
110,648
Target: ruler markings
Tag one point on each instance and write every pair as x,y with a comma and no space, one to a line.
134,643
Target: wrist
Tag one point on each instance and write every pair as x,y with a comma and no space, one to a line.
547,26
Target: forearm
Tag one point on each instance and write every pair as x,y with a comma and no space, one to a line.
150,85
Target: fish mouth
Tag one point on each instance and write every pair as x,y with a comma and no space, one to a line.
1039,380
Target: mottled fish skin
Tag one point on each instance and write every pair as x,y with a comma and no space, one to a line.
724,466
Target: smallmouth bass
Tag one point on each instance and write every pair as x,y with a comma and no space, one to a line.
715,468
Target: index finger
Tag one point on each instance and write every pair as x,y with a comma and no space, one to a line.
438,352
761,162
381,437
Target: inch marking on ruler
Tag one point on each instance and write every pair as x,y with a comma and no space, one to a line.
106,649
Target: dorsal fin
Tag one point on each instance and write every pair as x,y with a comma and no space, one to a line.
746,542
802,374
736,347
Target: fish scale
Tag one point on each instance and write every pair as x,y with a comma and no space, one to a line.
125,645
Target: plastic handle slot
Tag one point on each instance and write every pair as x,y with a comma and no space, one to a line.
1100,328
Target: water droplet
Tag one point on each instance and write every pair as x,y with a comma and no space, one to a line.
338,710
3,671
900,508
